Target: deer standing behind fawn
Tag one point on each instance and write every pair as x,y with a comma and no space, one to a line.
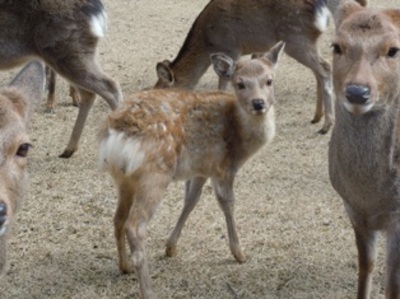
65,35
364,151
239,27
158,136
17,103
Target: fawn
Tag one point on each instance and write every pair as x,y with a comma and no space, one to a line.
364,151
157,136
239,27
17,103
64,34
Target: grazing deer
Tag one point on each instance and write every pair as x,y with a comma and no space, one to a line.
17,103
158,136
65,35
239,27
364,151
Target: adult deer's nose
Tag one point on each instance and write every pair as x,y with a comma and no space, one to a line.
258,104
357,94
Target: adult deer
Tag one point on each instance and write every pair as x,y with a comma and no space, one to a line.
17,103
364,151
239,27
65,35
158,136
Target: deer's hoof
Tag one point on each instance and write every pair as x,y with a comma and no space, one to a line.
67,154
171,251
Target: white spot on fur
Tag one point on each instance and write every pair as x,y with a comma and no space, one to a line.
98,24
322,19
118,151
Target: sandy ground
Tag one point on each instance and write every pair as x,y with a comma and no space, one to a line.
291,223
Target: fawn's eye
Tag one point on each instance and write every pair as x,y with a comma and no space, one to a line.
393,52
336,49
269,82
240,85
23,149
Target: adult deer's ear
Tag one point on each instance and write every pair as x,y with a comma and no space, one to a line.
164,73
345,9
275,53
29,82
224,65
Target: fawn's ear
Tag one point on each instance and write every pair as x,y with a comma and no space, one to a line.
275,53
164,73
224,65
346,8
30,81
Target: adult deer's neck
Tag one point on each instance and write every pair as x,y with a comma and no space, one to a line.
375,134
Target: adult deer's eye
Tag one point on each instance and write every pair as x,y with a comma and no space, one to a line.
336,49
23,149
393,52
240,85
269,82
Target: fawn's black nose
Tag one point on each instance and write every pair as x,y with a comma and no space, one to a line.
357,94
258,104
3,213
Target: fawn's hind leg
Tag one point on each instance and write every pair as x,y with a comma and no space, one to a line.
192,196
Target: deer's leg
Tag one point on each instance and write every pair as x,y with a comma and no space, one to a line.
147,197
226,199
393,263
125,198
365,241
51,87
310,57
86,75
192,196
84,108
74,94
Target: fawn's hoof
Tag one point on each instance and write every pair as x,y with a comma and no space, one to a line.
240,258
171,251
3,218
67,154
126,268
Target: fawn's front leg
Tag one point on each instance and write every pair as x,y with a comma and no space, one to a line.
226,199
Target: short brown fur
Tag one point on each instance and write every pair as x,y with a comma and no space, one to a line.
158,136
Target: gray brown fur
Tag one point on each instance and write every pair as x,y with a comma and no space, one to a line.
364,151
239,27
62,34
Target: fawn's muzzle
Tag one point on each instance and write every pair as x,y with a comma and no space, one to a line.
258,104
357,94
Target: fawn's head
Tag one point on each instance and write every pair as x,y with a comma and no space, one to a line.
252,79
366,57
17,102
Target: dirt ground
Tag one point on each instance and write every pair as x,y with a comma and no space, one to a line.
291,223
